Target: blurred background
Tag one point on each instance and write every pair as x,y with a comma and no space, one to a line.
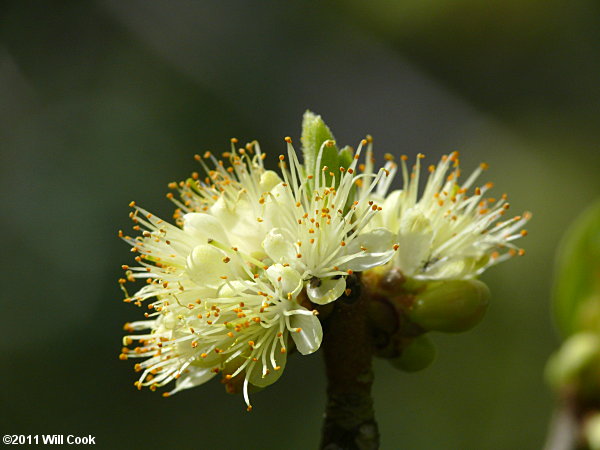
106,101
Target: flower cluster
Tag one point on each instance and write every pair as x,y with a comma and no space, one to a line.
235,285
226,283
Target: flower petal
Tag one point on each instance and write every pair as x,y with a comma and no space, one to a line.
204,227
415,240
279,199
264,375
391,210
278,247
195,377
239,219
306,332
205,266
288,279
326,290
371,249
454,268
268,180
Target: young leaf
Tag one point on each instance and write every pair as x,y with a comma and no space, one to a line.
346,156
577,278
314,134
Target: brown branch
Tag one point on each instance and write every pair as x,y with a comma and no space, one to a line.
563,433
349,421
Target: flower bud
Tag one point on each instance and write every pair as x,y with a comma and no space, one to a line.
573,360
587,314
451,306
418,355
591,431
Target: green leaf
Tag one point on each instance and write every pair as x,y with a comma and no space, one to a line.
314,134
577,278
346,156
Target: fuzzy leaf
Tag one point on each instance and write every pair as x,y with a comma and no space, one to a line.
314,134
346,156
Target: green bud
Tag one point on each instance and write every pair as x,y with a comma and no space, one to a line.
416,356
578,266
591,431
573,359
314,134
588,314
451,306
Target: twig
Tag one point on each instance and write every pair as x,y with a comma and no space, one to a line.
563,433
349,421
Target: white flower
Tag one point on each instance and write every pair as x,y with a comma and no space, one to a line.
215,308
224,284
447,232
233,196
314,225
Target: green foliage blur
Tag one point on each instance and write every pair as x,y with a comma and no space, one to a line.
106,101
573,371
577,286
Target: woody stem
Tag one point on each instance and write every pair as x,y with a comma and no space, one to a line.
349,420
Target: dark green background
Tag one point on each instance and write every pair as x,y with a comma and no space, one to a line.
102,102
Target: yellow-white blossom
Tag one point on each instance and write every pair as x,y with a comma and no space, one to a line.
223,286
300,219
214,309
451,230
